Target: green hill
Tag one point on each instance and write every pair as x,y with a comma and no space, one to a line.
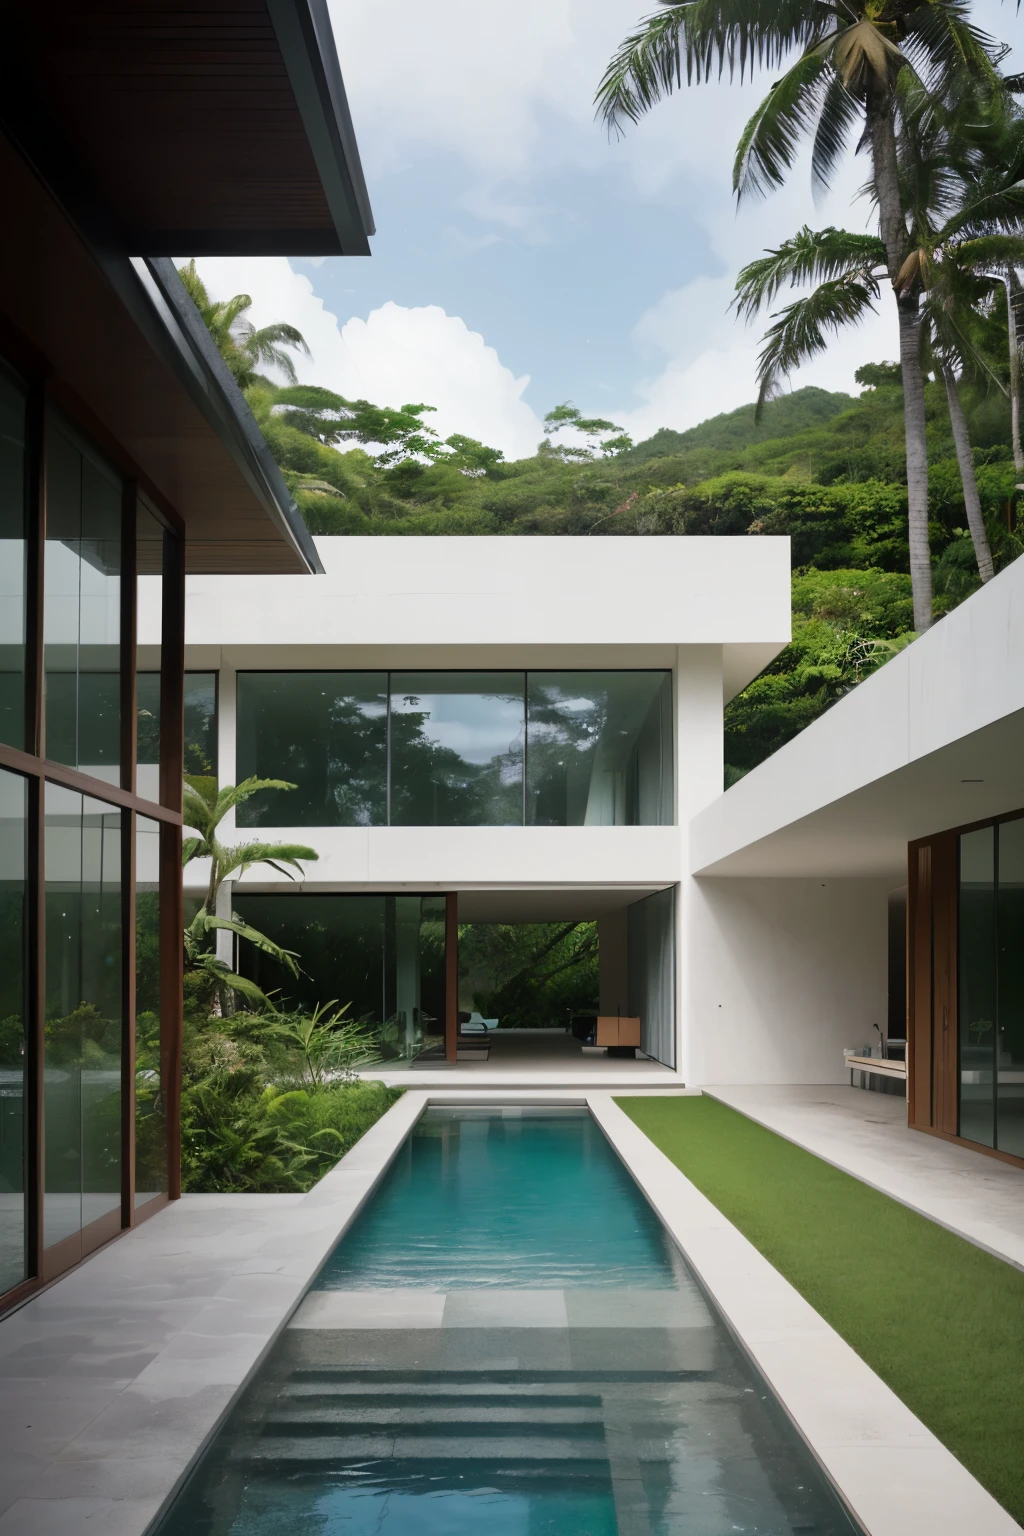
781,418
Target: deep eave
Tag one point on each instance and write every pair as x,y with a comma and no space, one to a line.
200,129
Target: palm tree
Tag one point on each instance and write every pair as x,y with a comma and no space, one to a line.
204,808
850,268
842,87
244,348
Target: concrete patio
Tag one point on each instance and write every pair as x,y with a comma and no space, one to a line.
536,1058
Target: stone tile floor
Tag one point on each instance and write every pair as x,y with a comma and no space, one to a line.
114,1377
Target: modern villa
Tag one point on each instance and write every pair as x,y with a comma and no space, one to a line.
536,1294
483,731
488,730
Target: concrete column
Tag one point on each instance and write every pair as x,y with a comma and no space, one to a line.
700,771
612,963
225,945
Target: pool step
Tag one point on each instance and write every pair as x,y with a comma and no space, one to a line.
338,1417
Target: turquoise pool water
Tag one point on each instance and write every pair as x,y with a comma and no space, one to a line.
507,1344
534,1202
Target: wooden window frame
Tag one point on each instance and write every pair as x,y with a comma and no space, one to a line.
44,393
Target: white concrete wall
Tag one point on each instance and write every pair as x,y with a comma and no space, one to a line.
781,975
931,740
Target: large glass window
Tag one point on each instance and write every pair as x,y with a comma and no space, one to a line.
12,562
13,1027
990,983
325,732
381,955
200,728
456,749
599,749
1010,1039
82,1067
82,610
976,972
150,1119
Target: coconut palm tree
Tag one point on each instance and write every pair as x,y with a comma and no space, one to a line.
842,89
243,347
851,268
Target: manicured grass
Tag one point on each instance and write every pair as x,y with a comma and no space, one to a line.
939,1320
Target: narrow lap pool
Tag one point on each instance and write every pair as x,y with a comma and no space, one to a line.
507,1342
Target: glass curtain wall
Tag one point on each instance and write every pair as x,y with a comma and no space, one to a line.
150,1103
13,548
84,1026
458,748
381,955
325,732
200,728
82,609
600,749
76,541
990,972
13,1027
651,949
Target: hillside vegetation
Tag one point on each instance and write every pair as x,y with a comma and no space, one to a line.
824,469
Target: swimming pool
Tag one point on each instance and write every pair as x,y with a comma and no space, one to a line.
507,1342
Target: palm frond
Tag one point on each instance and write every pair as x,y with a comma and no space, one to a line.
801,331
769,143
699,41
646,68
988,252
949,51
837,114
864,56
809,256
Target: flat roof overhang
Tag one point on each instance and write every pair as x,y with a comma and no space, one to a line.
135,365
933,741
216,127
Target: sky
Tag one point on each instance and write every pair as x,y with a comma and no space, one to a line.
522,258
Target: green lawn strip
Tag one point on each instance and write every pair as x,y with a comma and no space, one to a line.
941,1322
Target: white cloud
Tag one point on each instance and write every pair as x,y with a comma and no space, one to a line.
393,357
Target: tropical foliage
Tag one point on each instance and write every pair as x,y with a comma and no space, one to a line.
907,493
529,975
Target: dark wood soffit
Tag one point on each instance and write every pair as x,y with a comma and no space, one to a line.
186,123
55,294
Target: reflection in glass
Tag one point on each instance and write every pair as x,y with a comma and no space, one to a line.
13,1027
599,749
81,612
325,732
1010,1017
150,1121
200,728
82,1065
149,565
382,955
13,482
977,985
457,749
